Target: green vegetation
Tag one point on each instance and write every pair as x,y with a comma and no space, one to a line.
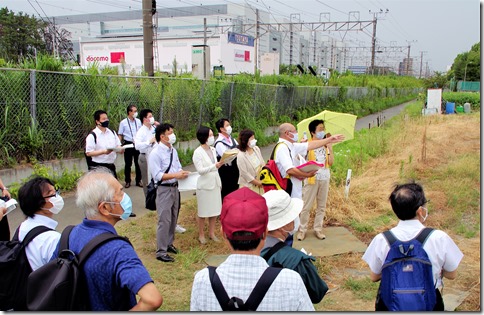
460,98
364,288
55,123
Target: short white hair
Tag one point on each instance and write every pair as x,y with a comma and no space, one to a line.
93,188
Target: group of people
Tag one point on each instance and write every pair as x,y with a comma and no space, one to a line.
256,227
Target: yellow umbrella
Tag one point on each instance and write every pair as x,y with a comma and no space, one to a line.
335,123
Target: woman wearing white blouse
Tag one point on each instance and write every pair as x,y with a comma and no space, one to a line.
249,161
209,198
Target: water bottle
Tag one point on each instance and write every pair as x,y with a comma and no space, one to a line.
305,136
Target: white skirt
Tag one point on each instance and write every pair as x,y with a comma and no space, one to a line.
209,202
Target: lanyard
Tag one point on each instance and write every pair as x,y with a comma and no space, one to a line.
129,125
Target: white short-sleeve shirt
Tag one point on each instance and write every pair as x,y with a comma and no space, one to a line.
285,161
104,140
441,249
40,249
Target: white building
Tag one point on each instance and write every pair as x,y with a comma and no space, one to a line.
116,39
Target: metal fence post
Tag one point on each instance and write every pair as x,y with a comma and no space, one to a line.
231,100
255,97
202,93
162,99
33,94
108,93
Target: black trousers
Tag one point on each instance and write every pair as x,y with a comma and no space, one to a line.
439,306
129,154
110,167
229,176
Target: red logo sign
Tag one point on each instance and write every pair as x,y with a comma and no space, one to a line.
117,57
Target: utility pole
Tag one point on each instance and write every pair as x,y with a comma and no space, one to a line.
421,59
204,48
54,39
147,7
256,41
408,58
373,38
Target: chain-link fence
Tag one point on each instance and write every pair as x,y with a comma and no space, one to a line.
48,114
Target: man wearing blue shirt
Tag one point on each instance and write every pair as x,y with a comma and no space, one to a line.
165,167
114,274
127,132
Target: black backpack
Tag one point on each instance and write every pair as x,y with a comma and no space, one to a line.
60,284
89,158
15,269
255,297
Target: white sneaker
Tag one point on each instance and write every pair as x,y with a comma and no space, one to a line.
180,229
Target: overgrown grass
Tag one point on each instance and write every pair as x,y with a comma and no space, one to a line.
454,180
364,288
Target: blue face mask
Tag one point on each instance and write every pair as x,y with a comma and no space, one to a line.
127,206
320,134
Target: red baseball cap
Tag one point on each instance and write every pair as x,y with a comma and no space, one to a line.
244,211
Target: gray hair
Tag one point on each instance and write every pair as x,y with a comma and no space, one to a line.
93,188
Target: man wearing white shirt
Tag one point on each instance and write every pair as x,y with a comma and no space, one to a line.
128,128
144,142
286,155
286,158
101,147
409,205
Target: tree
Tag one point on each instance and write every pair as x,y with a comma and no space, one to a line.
19,35
57,41
467,65
438,80
23,36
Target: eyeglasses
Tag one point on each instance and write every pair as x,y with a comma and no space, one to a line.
57,192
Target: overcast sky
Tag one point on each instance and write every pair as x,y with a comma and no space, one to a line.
440,29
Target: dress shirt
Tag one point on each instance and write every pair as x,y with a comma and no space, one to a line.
159,160
40,249
286,160
441,249
239,275
142,139
128,128
104,140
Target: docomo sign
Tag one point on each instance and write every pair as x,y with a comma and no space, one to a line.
116,57
97,58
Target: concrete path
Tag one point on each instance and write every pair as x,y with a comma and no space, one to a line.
72,215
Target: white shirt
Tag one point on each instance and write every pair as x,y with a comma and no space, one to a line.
159,160
128,128
40,249
286,161
104,140
142,139
441,249
239,275
225,145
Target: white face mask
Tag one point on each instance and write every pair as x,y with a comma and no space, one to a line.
152,120
320,134
211,140
171,138
135,115
252,143
228,130
57,204
296,227
295,136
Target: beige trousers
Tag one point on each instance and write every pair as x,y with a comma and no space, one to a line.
319,192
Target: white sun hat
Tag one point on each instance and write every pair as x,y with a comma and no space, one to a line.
282,208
